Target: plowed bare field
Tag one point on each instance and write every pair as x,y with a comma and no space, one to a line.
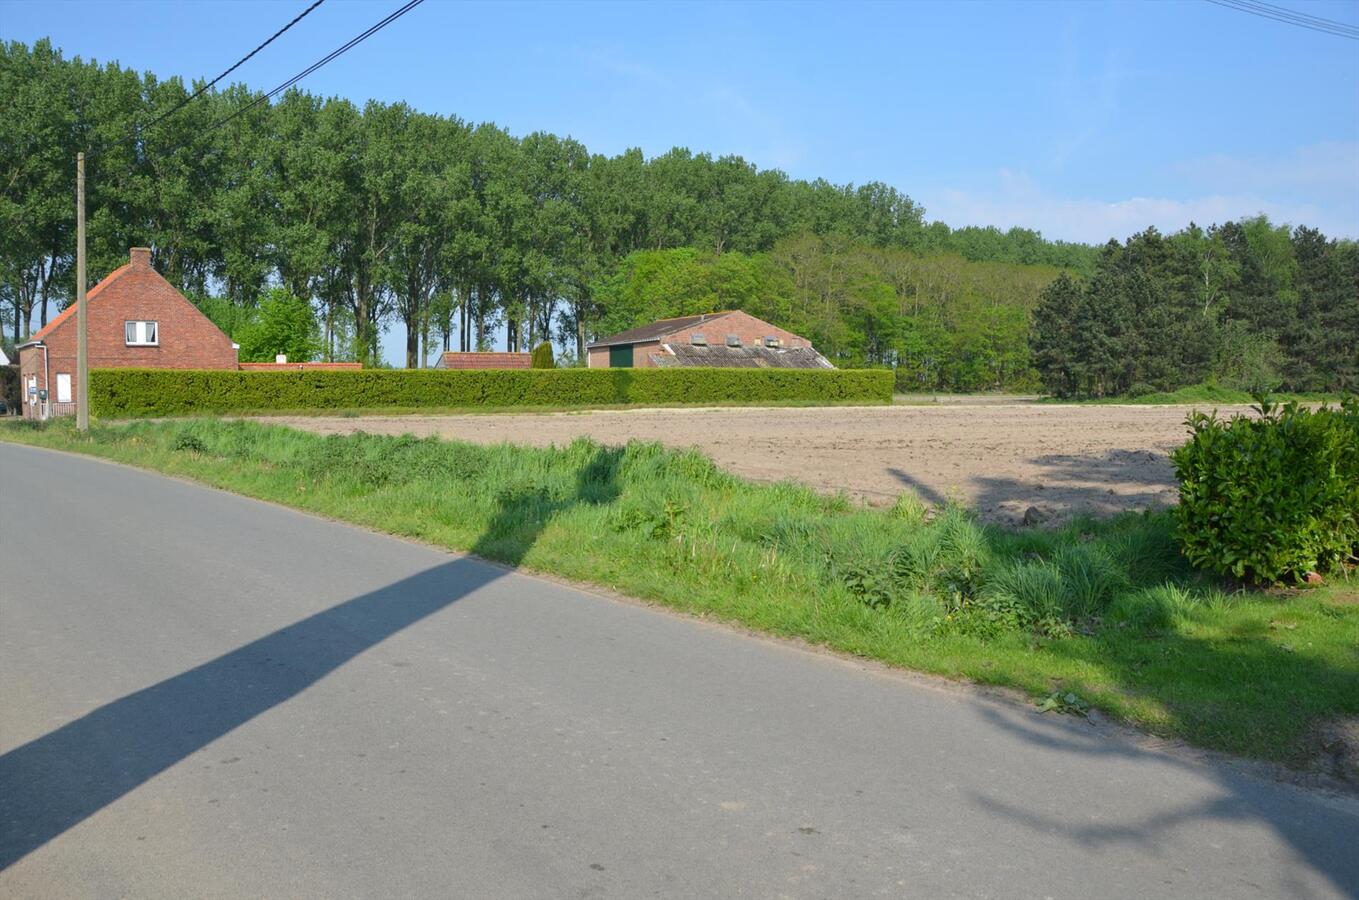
998,459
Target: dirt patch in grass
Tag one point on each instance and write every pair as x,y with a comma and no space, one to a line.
999,459
1336,746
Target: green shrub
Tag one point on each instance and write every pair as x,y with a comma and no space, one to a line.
175,392
869,581
282,323
10,391
190,442
1273,496
542,357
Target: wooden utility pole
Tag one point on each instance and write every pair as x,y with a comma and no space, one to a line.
82,336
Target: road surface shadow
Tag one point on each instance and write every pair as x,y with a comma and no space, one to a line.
53,783
1320,832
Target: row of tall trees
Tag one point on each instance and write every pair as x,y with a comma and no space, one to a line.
1249,304
460,231
470,236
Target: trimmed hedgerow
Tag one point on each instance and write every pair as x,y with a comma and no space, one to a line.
174,392
1271,496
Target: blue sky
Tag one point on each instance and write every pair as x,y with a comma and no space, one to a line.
1085,120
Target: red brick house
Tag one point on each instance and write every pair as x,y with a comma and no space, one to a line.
731,339
135,319
451,359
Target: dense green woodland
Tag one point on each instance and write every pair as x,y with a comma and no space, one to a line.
1248,304
308,225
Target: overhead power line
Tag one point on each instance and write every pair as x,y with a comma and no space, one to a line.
205,88
1302,16
339,51
1288,16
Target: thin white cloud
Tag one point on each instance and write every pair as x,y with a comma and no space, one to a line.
1018,200
1320,171
619,64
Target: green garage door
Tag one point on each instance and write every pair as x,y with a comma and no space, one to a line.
620,356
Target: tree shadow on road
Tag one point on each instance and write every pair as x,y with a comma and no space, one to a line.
1320,832
1064,486
53,783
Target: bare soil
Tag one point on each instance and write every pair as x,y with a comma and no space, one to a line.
999,459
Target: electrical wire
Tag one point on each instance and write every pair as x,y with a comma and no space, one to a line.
334,54
1296,14
205,88
1286,16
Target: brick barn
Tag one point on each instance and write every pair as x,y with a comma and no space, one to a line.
730,339
136,319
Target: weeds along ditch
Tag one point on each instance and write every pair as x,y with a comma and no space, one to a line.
1107,612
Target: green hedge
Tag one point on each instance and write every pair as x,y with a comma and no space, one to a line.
174,392
1271,496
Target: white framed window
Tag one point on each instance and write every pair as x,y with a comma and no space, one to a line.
141,334
63,387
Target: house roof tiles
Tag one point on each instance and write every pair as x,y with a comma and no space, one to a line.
70,311
654,331
688,356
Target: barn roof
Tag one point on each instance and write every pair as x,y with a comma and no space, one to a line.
721,356
657,330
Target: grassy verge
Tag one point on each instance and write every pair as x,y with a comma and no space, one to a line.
964,399
1198,394
1106,611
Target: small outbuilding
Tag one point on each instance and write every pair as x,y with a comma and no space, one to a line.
451,359
135,319
731,339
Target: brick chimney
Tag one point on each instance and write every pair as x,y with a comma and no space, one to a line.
141,256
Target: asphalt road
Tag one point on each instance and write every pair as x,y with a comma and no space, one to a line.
206,696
